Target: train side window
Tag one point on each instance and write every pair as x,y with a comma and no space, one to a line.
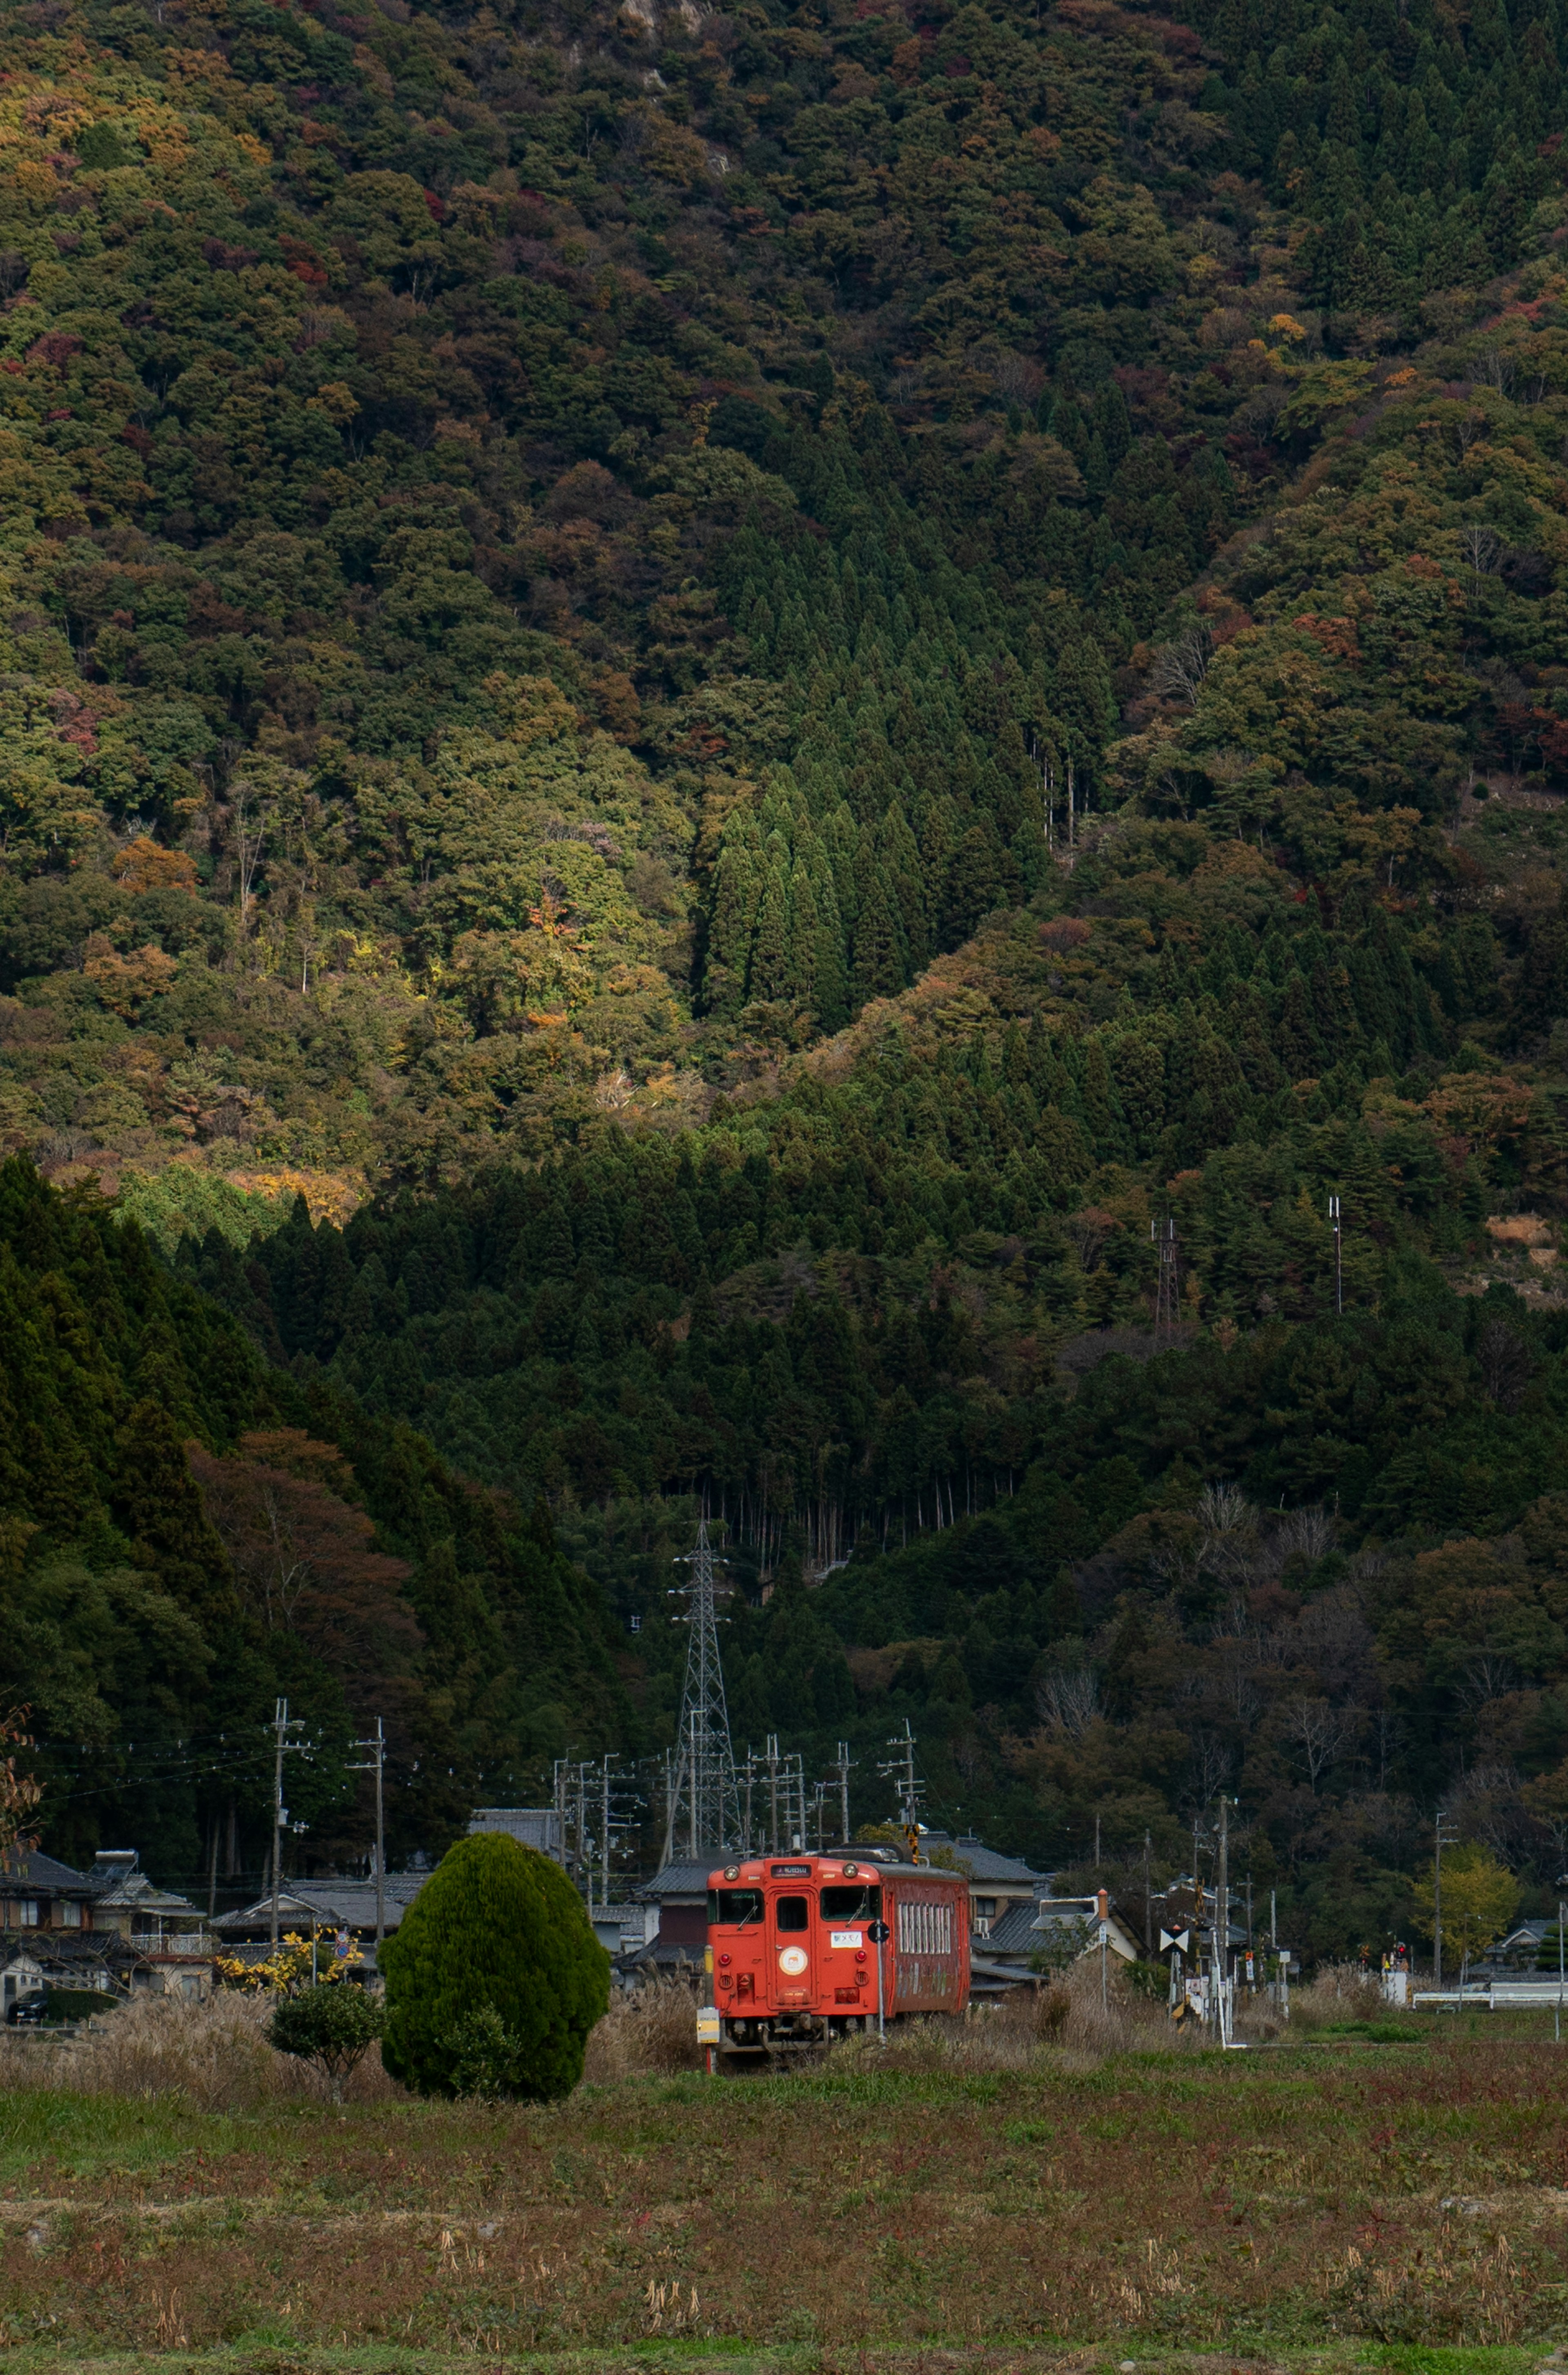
852,1904
790,1912
735,1905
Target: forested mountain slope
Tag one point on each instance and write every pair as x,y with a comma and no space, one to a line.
783,675
187,1536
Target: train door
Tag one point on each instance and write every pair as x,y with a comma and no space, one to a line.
790,1922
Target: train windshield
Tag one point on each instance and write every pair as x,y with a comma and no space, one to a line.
735,1905
852,1904
790,1912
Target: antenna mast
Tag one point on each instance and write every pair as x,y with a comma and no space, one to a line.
703,1788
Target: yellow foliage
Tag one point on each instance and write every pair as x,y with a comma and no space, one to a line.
331,1195
531,708
1480,1899
287,1968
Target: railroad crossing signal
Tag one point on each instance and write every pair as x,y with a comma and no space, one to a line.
1181,1941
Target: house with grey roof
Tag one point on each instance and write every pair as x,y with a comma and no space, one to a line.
346,1907
997,1884
531,1826
111,1930
166,1933
1044,1934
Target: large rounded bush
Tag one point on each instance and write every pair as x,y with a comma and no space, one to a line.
496,1929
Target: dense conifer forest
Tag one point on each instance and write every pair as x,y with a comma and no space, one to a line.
741,748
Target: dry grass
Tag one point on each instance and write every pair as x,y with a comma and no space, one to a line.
1050,2176
1033,2028
650,2030
213,2055
1338,1992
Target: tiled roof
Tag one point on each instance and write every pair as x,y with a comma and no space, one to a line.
40,1875
1013,1932
116,1879
981,1862
65,1949
346,1903
659,1956
687,1879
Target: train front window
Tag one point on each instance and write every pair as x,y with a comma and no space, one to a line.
852,1904
735,1907
791,1912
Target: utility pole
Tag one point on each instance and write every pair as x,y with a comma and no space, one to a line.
584,1844
604,1831
1222,1905
796,1777
1147,1901
1443,1835
281,1726
901,1771
772,1754
842,1765
704,1774
1097,1844
377,1747
1339,1265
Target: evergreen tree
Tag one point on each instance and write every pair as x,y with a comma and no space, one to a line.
498,1931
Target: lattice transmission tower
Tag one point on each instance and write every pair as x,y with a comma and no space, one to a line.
704,1800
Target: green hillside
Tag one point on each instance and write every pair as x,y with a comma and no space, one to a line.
767,683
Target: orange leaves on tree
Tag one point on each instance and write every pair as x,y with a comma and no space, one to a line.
142,864
125,982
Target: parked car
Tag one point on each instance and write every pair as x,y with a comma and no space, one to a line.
30,2011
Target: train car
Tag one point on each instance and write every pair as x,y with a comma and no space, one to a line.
792,1960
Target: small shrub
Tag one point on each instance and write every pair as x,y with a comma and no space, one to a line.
496,1927
77,2003
331,2027
488,2061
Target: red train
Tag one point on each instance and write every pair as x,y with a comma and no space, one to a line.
794,1951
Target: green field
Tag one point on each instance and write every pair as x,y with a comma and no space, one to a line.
1322,2207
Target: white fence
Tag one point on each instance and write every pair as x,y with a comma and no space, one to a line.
1499,1995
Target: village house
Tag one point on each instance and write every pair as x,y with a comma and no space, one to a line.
997,1884
344,1907
1042,1934
110,1931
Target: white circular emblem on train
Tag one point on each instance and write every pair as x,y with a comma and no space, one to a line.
792,1961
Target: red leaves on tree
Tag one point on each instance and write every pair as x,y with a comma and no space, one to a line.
303,1556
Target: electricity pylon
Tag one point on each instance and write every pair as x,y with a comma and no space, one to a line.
704,1800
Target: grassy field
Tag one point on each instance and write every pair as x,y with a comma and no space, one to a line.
1338,2204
